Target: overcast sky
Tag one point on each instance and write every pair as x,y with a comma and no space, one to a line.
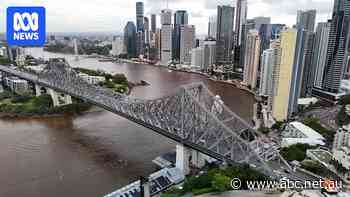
112,15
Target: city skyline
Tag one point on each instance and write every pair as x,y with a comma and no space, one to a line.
112,15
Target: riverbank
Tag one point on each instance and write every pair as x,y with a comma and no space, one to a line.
116,82
236,83
17,106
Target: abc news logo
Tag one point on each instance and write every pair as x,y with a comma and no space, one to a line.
26,26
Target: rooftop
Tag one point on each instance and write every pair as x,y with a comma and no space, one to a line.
309,132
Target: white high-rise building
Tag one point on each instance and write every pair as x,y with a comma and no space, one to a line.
118,46
209,50
187,43
251,60
270,60
197,57
266,72
166,37
212,26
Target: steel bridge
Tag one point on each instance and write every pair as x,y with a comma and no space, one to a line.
192,116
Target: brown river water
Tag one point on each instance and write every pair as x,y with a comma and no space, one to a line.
98,152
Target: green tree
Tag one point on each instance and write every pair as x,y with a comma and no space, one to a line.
221,183
120,79
265,130
295,152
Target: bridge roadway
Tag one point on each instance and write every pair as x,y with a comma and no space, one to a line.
192,116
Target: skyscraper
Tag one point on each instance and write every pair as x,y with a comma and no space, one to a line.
139,16
241,19
166,37
140,43
270,62
209,47
146,30
212,27
308,71
153,23
251,62
284,76
306,20
187,43
337,52
258,21
320,52
275,45
180,19
130,39
224,35
249,25
297,72
265,33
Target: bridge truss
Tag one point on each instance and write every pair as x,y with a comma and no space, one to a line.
192,116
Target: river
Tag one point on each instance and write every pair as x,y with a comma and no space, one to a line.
98,152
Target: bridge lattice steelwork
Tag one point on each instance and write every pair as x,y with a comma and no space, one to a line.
192,116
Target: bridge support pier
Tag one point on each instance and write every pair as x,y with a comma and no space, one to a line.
198,159
37,90
183,159
57,99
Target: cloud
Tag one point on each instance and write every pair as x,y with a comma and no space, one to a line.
112,15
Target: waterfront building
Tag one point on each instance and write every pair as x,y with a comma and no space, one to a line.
252,56
241,19
187,43
224,35
130,39
320,52
180,19
118,46
298,133
139,16
197,57
94,80
16,85
147,32
284,77
337,53
306,20
158,41
159,181
140,43
166,37
212,27
209,50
